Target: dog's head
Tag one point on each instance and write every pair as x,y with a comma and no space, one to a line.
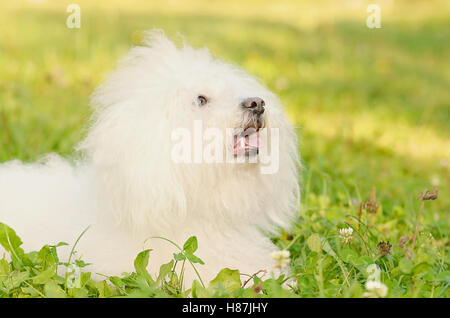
163,100
162,88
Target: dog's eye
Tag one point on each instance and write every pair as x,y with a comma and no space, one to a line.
201,100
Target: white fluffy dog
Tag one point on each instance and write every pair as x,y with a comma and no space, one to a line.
129,188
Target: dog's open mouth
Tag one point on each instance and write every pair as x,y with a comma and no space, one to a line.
247,142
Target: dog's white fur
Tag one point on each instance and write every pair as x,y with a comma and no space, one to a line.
127,187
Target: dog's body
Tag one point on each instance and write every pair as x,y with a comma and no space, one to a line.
128,188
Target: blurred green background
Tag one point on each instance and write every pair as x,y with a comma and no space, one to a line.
372,105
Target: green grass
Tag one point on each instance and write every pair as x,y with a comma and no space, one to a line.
372,109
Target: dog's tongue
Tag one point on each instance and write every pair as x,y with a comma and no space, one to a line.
244,142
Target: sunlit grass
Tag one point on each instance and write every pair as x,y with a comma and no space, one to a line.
372,107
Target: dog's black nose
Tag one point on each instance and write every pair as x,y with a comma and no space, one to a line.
254,104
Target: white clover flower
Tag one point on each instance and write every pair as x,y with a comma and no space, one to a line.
375,289
346,235
281,258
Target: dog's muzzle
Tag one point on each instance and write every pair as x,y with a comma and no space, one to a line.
246,141
254,105
254,108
